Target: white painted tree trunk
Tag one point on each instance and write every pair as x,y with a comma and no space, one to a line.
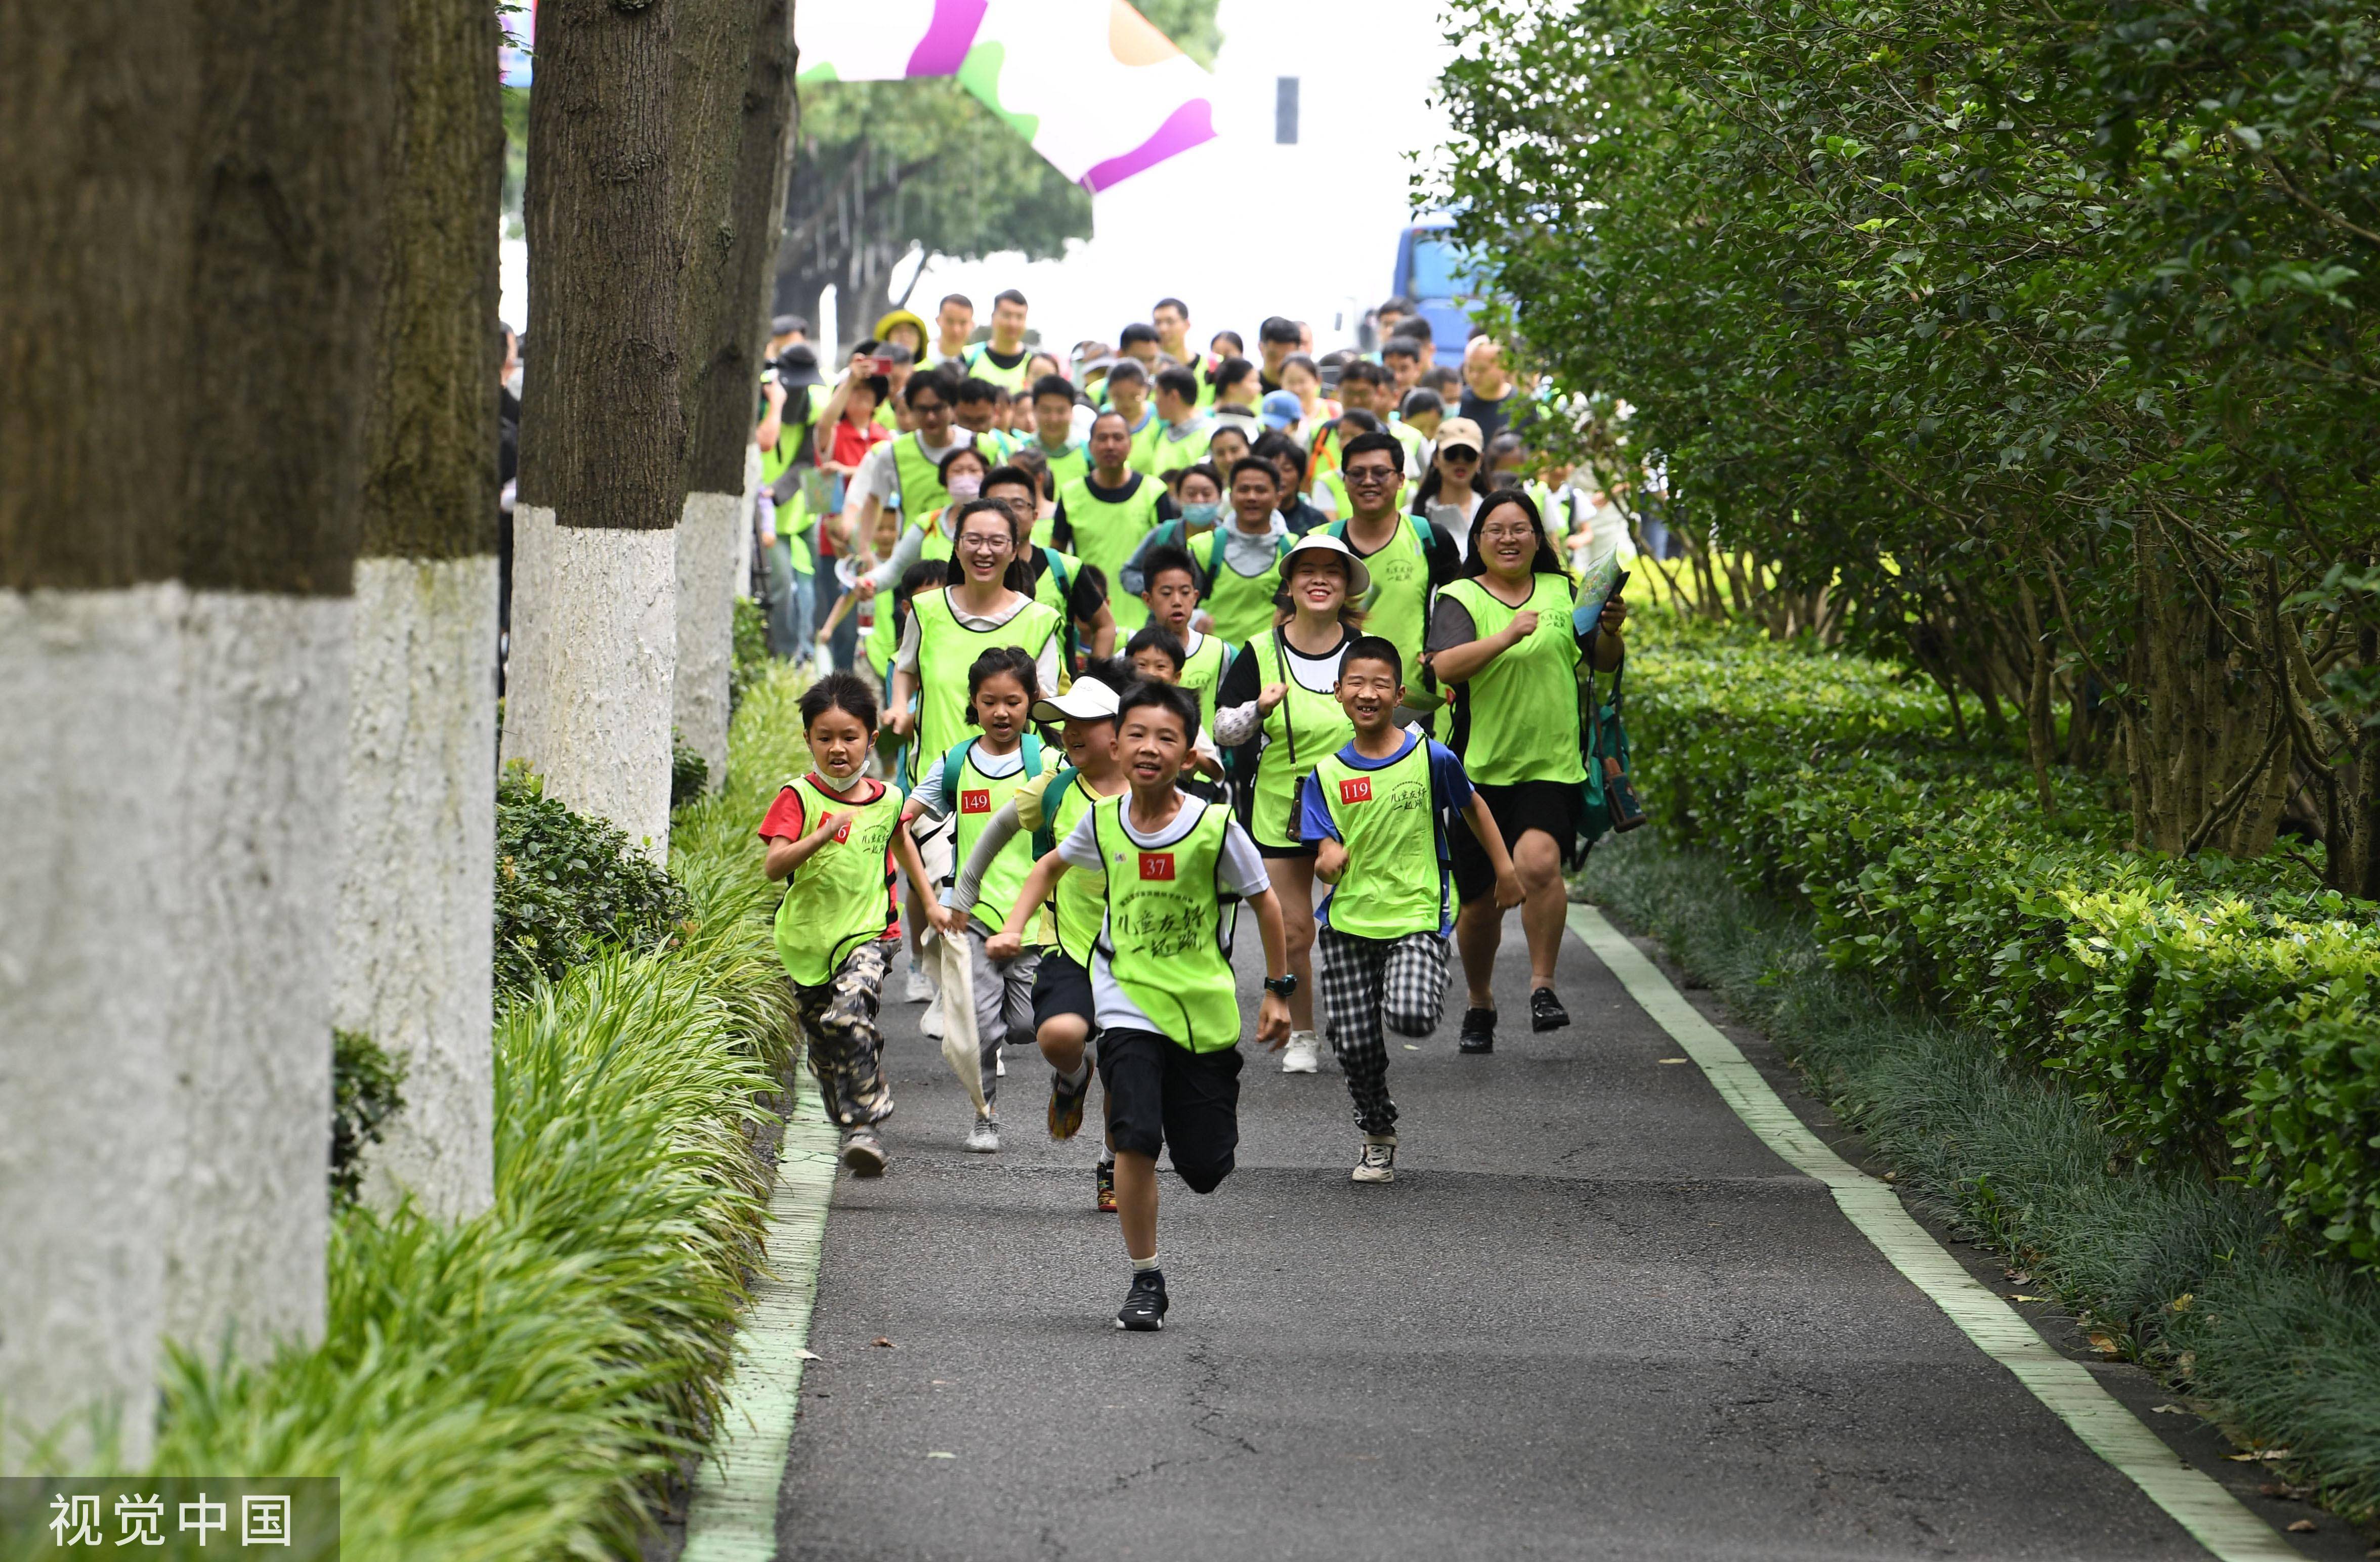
257,857
747,538
416,941
591,694
92,959
706,624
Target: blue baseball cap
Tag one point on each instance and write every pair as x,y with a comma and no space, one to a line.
1280,410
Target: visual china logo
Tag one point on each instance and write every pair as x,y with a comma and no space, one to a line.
974,801
1157,866
1355,789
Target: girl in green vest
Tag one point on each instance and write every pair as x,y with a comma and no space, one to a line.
1168,1005
1278,708
834,836
1065,1013
1373,811
970,781
1504,638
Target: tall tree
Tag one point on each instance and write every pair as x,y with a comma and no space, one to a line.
589,695
189,198
415,911
717,73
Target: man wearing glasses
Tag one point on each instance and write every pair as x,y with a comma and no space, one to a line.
1409,558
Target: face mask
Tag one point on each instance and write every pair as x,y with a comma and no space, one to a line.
966,486
1201,514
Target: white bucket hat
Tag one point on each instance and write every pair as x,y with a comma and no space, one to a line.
1359,578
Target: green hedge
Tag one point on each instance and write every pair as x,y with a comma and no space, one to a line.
2224,1011
515,1386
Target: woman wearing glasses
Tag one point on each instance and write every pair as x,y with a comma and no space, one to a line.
1501,637
1451,489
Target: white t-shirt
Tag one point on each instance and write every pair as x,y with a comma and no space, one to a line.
1239,870
876,475
928,793
1045,666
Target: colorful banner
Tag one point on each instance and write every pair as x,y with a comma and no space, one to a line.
1099,91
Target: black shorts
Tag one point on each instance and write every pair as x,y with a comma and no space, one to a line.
1162,1093
1061,986
1303,849
1555,808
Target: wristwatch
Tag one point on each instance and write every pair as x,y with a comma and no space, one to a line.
1282,986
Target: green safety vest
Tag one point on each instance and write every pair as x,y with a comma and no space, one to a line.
1081,897
1298,733
1164,450
917,478
1143,458
1241,605
977,362
1053,586
1164,936
1073,461
1397,609
1106,533
843,896
1521,710
1395,882
1202,674
972,797
946,649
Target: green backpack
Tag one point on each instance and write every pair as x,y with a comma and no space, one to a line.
1042,843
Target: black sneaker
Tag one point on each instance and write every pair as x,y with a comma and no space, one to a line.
1066,1103
1479,1031
1143,1305
1546,1012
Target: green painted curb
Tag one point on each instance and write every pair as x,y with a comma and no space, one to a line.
732,1514
2214,1518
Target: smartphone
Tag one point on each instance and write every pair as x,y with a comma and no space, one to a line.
879,365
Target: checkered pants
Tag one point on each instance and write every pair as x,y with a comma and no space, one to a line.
1363,982
846,1047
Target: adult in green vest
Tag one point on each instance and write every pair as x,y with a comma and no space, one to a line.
1408,556
1502,636
1238,557
904,473
1180,431
1103,516
1127,393
1059,579
1002,360
993,605
1278,712
932,539
1065,456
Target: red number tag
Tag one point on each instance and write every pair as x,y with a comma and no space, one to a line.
1157,865
844,834
974,801
1356,789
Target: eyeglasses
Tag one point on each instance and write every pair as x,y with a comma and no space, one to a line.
1507,534
1370,477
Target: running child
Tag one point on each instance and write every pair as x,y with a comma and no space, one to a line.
1172,585
1374,811
1168,1008
1065,1017
833,836
971,780
1156,655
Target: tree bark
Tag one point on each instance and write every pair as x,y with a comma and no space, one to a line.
722,329
416,907
602,477
189,199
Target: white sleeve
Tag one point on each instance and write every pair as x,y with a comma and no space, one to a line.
1049,664
1081,847
904,658
874,479
1240,870
907,551
928,794
1237,724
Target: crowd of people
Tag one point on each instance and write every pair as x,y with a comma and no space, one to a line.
1110,644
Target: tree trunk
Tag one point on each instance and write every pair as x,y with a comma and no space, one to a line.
602,476
416,913
727,94
188,216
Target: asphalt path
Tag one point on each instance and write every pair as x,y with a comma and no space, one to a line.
1593,1318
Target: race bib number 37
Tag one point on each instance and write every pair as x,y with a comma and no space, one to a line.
1157,866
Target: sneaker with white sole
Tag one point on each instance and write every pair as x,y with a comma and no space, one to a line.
920,989
1302,1055
931,1021
1380,1160
1145,1304
862,1152
984,1137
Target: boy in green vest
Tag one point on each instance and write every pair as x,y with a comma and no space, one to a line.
1373,811
1168,1012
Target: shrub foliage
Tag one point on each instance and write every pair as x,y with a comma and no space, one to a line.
567,886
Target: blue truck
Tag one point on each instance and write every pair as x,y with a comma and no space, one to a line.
1433,272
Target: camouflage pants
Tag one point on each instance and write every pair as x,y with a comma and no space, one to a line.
846,1049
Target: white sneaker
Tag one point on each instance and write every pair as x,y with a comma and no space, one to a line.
984,1137
931,1024
920,989
1302,1055
1000,1065
1380,1160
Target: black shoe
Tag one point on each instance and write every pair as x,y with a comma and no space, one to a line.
862,1152
1145,1304
1546,1012
1066,1105
1479,1031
